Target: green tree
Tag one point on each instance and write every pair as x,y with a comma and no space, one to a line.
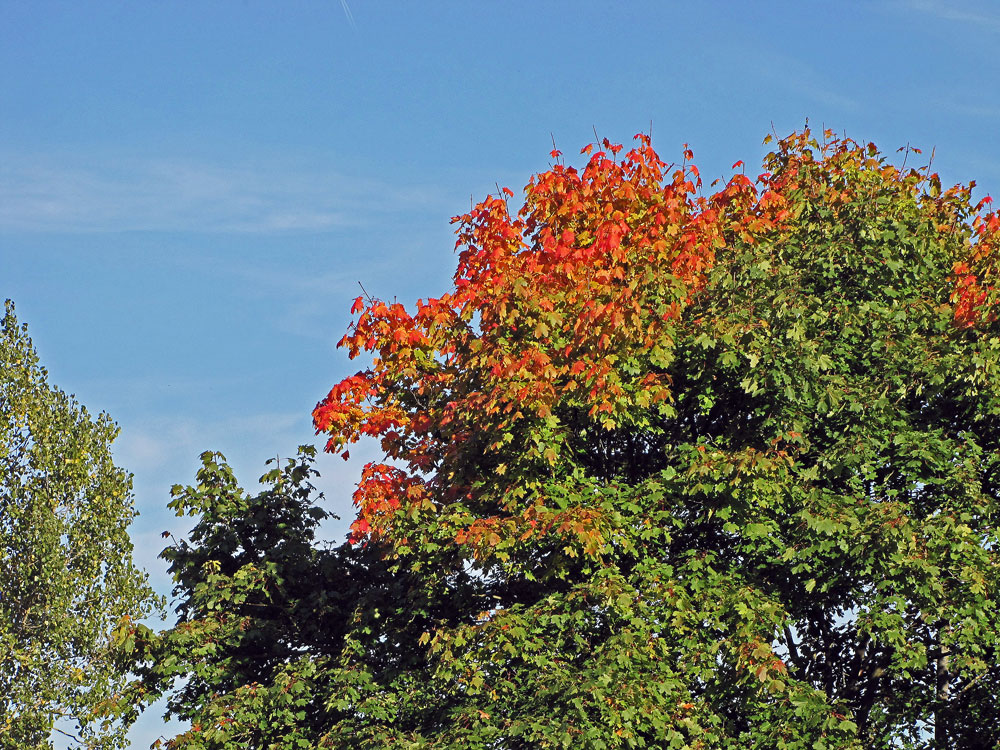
663,469
68,587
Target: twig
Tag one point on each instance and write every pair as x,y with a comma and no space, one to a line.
370,300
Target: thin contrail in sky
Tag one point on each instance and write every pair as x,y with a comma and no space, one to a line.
347,12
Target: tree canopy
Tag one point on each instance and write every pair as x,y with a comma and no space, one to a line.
69,590
662,469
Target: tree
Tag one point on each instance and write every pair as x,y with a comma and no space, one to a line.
263,613
663,469
68,585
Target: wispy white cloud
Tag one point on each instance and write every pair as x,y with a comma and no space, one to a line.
348,14
49,193
167,441
982,16
798,80
809,85
988,111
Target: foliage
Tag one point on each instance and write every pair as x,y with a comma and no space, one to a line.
663,469
68,587
264,610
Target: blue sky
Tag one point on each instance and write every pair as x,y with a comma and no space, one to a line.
190,192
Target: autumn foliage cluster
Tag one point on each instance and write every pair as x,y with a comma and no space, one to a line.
572,305
670,465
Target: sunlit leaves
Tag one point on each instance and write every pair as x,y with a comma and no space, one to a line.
70,594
